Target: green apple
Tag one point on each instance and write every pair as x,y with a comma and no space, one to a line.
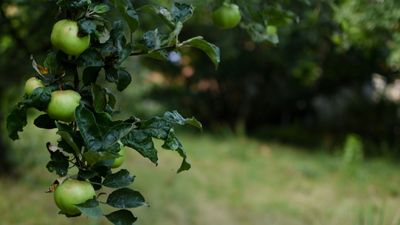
64,36
118,161
63,104
227,16
72,192
31,84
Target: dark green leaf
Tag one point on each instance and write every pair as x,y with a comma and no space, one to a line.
152,40
121,217
160,11
125,198
118,180
127,11
16,121
142,143
66,133
45,122
181,12
87,26
99,132
73,3
119,76
124,79
59,163
90,58
173,143
99,96
96,182
86,174
260,33
211,50
101,8
52,62
90,75
90,208
162,128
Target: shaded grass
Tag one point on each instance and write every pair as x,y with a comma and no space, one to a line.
234,180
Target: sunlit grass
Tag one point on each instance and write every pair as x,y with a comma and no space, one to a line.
234,180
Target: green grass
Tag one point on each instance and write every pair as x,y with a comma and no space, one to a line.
234,181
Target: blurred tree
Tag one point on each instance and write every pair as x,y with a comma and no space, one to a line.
318,79
22,25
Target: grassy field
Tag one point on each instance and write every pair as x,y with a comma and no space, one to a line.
234,181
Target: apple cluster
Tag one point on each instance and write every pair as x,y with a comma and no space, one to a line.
63,103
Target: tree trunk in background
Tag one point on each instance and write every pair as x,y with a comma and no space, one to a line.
5,164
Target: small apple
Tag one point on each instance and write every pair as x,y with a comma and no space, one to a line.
31,84
63,104
227,16
118,161
64,36
72,192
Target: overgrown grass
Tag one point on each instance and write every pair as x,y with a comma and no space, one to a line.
234,181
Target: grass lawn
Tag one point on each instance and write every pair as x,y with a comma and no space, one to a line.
234,181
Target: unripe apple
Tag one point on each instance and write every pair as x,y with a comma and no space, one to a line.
31,84
227,16
73,192
64,36
63,104
118,161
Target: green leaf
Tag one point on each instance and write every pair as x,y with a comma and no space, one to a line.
45,122
59,163
173,143
90,58
210,49
152,40
90,75
129,14
95,157
52,62
73,3
260,33
90,208
99,96
160,11
66,133
141,142
101,8
119,179
181,12
87,26
16,121
175,117
124,79
86,174
125,198
118,76
121,217
39,99
140,139
99,132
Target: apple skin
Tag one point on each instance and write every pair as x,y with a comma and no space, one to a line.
118,161
64,36
227,16
63,104
31,84
72,192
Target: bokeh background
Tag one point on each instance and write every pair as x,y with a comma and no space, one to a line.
302,132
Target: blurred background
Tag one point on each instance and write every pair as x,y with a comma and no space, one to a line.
303,132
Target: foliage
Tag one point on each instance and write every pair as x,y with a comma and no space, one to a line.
319,79
91,142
